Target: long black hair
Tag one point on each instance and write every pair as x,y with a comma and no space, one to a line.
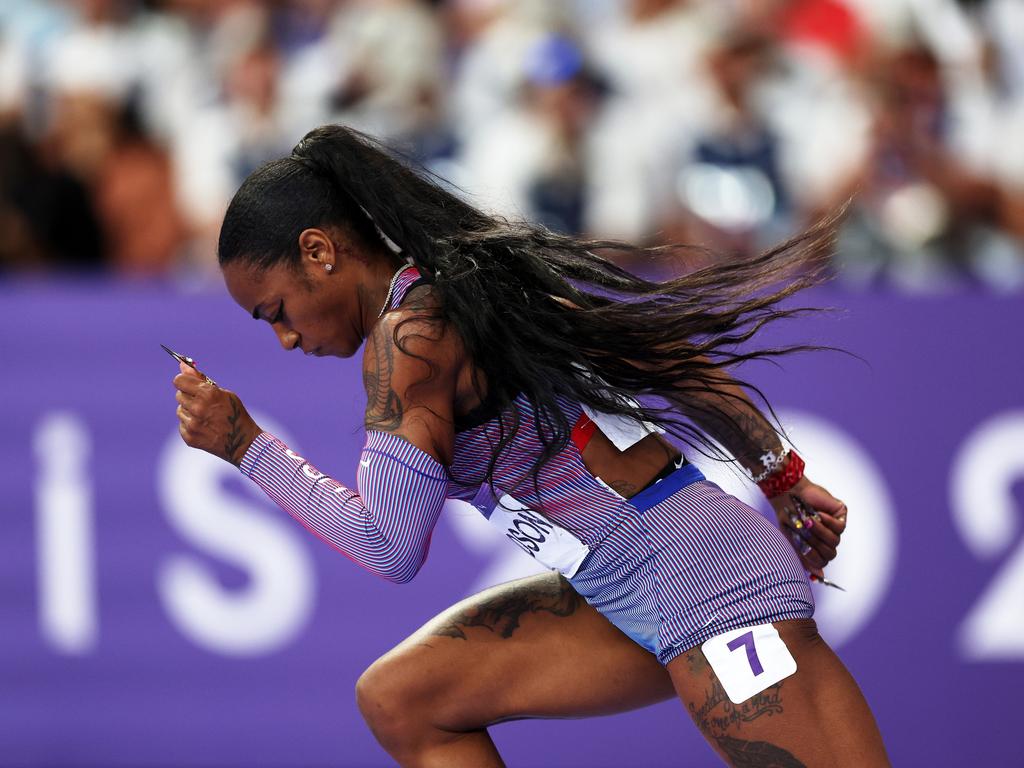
542,315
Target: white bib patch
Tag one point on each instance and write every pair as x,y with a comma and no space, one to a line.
548,543
749,660
621,430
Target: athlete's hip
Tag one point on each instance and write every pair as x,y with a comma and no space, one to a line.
692,565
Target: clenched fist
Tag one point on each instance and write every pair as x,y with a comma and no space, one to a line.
211,418
814,520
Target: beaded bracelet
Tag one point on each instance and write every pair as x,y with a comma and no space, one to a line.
771,461
783,478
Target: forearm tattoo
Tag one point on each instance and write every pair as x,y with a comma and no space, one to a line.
384,410
722,722
742,429
500,615
233,441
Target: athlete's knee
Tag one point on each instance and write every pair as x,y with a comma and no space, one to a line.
381,694
394,697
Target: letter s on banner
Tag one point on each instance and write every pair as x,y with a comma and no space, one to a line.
274,607
988,464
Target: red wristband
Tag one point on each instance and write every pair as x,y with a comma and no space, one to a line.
784,478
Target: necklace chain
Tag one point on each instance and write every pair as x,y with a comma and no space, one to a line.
391,290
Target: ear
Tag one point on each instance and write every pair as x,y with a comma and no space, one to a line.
317,249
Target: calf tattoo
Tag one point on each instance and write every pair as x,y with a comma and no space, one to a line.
721,721
501,613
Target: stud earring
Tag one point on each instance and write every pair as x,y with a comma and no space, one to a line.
328,267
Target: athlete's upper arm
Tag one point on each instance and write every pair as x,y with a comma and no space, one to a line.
410,370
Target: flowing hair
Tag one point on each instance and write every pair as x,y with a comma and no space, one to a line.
541,315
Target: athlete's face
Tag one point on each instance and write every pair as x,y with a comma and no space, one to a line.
320,311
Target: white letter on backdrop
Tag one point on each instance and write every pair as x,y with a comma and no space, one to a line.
275,605
65,547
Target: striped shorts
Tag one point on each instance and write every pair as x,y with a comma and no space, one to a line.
687,562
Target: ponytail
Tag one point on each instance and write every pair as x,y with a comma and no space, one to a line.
409,210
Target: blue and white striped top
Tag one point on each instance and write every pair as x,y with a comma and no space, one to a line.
386,525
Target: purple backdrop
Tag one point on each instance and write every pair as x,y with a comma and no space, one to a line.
155,611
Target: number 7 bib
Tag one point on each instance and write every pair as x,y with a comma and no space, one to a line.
748,660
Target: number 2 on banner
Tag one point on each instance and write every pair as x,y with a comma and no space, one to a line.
747,640
985,511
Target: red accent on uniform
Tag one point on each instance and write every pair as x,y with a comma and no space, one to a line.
583,431
784,478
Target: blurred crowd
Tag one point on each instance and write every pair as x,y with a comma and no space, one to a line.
126,125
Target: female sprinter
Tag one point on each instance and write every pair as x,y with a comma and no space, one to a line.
501,366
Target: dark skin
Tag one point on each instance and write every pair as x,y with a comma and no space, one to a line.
567,660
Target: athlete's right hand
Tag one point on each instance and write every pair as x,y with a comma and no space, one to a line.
211,418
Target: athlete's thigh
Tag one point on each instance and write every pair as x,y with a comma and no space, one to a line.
528,648
815,717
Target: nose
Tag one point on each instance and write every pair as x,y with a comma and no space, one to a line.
289,339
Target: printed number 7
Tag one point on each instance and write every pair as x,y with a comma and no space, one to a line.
747,639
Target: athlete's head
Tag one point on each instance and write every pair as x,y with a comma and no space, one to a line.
298,254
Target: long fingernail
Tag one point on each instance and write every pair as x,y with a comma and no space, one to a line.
795,521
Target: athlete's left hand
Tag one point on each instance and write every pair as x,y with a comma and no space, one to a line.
814,520
211,418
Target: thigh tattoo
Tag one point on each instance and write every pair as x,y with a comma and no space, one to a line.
501,613
721,721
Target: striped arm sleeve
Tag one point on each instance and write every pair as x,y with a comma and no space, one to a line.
385,526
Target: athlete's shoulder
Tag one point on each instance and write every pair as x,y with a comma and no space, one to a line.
417,326
413,344
411,365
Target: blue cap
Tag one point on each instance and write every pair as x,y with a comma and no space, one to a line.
553,60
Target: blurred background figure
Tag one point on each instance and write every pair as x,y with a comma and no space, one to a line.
93,132
651,56
533,159
729,182
392,81
126,125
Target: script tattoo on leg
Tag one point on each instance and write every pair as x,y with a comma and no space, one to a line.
500,614
721,721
